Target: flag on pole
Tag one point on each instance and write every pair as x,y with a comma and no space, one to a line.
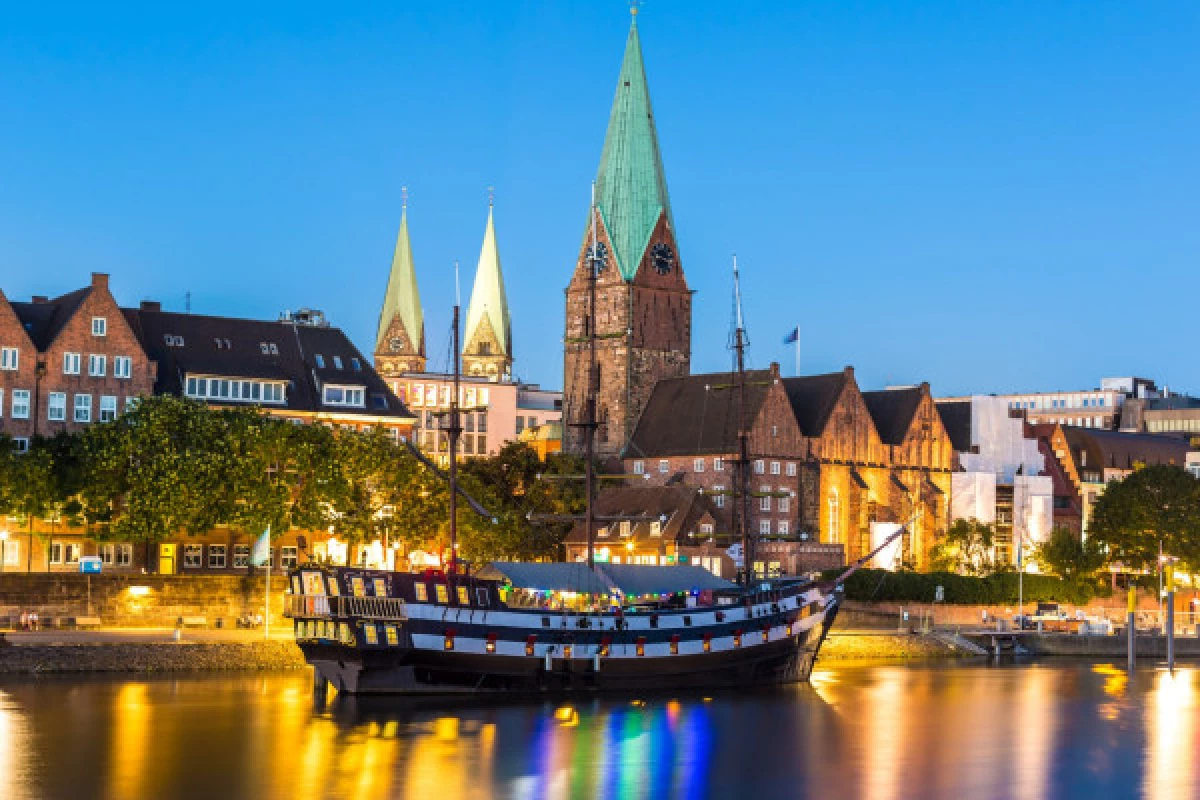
261,554
792,337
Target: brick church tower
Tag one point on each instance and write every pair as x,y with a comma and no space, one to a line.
643,304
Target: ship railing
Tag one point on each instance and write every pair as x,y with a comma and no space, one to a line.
383,608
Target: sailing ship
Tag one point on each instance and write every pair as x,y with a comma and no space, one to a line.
564,627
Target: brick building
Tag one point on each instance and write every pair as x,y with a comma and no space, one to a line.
643,309
68,362
829,464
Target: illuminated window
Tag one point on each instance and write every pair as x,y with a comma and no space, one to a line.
380,587
422,592
529,644
393,636
464,599
448,642
370,634
675,645
834,529
737,638
443,596
357,586
641,645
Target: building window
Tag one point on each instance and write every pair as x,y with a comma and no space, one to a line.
663,466
718,496
99,326
108,408
83,408
785,502
193,556
639,467
774,467
791,469
57,409
760,467
241,556
124,555
71,363
225,389
656,528
56,553
343,396
337,362
320,359
481,422
698,465
122,367
131,403
706,527
20,404
520,423
8,358
354,362
625,527
216,556
718,464
97,365
764,527
782,527
835,518
107,551
21,444
1,402
764,502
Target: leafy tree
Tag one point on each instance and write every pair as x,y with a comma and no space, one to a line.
1152,505
1069,555
30,488
967,549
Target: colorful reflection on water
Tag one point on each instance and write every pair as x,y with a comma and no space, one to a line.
883,733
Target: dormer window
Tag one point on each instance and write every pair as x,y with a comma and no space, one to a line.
320,361
172,340
356,364
99,326
337,362
343,396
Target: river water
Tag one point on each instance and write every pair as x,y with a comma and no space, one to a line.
877,732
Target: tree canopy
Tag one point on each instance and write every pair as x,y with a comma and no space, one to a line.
1154,504
173,466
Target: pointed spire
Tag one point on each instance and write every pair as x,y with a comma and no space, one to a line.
488,330
402,302
631,185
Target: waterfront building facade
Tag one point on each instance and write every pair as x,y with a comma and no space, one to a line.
829,464
68,362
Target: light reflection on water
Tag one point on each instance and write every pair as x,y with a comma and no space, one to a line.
883,733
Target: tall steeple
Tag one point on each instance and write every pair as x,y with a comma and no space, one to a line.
488,348
631,187
400,342
644,307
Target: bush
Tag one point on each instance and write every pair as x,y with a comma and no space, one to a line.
881,586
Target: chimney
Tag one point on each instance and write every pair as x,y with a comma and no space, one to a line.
40,299
151,305
775,370
99,280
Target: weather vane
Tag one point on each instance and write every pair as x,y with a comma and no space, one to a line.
634,5
404,197
491,196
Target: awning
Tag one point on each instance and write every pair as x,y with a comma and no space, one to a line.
632,580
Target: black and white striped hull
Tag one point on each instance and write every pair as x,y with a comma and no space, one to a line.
445,650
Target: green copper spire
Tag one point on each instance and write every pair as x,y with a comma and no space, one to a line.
402,301
631,188
487,315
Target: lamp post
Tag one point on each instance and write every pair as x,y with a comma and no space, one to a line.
3,547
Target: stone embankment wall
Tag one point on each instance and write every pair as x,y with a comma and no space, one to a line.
149,657
140,600
854,645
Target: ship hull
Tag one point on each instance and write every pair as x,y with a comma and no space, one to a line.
789,659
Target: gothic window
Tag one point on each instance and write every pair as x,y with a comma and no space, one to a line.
835,516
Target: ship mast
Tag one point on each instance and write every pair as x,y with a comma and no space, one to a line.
741,505
589,406
453,432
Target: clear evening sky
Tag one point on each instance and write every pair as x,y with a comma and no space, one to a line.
987,196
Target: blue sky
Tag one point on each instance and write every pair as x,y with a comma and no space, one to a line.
987,196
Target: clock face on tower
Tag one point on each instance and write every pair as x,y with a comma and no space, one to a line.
396,344
664,258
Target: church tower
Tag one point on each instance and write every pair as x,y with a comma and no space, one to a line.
400,343
488,333
643,304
